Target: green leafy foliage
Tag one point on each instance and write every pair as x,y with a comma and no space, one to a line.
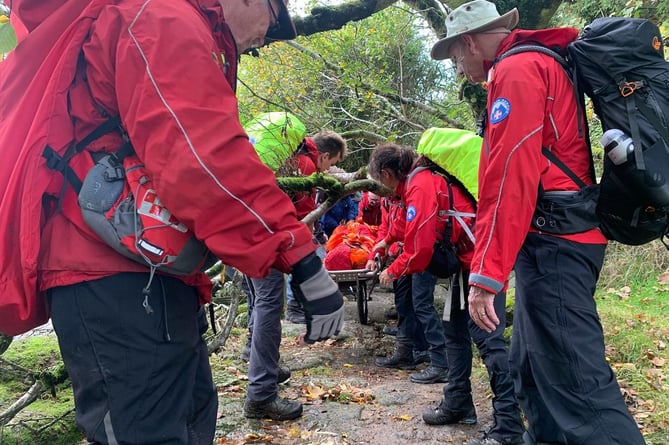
582,12
7,36
374,76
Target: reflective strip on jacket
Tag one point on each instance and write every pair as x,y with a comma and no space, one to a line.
168,69
426,199
531,103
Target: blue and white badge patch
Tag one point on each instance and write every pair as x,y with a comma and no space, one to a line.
411,213
499,111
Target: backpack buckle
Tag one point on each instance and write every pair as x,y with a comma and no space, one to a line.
113,169
628,88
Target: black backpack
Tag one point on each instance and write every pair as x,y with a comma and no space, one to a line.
619,63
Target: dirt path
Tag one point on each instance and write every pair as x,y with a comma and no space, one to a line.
347,399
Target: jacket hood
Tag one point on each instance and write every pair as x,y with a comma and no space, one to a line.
33,12
556,39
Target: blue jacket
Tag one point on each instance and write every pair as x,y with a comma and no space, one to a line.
344,211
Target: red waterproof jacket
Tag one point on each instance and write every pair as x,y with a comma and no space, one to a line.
158,66
396,215
369,214
307,163
426,199
531,103
391,229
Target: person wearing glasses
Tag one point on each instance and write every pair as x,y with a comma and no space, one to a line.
168,70
562,380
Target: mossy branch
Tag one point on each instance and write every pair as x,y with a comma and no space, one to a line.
334,189
298,184
351,187
52,377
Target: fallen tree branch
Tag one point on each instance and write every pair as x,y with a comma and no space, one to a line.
16,366
219,341
351,187
26,399
56,420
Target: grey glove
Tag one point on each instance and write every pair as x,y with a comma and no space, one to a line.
320,297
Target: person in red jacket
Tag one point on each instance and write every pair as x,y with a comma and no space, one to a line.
134,351
426,197
265,309
369,209
563,383
316,154
411,348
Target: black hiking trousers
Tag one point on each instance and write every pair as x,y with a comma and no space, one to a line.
460,330
138,364
562,381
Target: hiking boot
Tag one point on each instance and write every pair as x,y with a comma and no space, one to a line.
245,355
402,358
390,330
527,440
431,374
487,440
390,313
444,416
295,314
275,409
284,374
421,357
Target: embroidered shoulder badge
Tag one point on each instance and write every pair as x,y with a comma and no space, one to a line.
411,213
500,110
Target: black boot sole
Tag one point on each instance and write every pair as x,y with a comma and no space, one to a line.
403,367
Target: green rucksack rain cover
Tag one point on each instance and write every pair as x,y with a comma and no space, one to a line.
456,151
275,136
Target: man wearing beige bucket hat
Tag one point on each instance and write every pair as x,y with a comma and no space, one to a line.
562,381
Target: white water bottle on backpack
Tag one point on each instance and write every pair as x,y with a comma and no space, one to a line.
618,146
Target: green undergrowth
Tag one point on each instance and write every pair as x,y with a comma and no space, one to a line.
49,419
633,299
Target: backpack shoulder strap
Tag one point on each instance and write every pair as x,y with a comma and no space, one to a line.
537,49
61,163
451,212
569,70
456,214
413,173
580,106
562,166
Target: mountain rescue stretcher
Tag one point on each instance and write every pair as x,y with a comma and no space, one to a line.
362,281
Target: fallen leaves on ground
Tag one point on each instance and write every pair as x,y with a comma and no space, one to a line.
663,279
403,417
623,293
277,434
342,393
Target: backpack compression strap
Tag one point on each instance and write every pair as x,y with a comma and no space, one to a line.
651,115
571,73
580,106
451,212
62,163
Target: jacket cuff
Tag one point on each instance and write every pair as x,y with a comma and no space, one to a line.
488,284
286,260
